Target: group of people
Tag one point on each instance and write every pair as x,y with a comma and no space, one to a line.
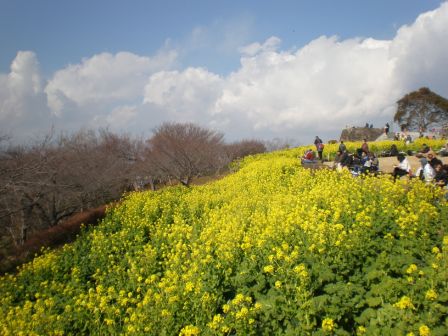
364,161
431,170
310,157
361,162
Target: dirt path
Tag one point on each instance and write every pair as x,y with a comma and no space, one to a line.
387,163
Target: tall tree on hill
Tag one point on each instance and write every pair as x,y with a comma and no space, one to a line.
420,109
185,150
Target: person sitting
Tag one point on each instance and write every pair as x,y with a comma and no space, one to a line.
371,164
419,172
366,163
423,151
403,168
356,161
441,175
309,156
347,160
393,150
374,163
337,160
342,160
444,150
432,159
428,173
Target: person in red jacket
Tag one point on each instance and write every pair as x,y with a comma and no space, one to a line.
308,156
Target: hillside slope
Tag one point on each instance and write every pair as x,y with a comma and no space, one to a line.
271,249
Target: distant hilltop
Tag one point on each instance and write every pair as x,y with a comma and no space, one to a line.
361,133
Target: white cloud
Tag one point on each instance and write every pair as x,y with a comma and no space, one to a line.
186,95
271,44
22,102
104,79
20,85
323,85
421,51
121,115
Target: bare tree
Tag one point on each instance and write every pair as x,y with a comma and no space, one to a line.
22,174
279,144
240,149
185,150
43,184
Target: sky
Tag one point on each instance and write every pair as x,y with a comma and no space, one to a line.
249,69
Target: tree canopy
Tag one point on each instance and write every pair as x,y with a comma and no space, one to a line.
420,109
185,150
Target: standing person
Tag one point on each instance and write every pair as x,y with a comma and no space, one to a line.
365,147
319,146
386,128
342,147
403,167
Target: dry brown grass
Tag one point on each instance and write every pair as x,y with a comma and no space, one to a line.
52,237
387,163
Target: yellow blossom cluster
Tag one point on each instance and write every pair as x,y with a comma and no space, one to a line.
271,249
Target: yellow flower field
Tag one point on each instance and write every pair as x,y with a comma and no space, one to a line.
273,249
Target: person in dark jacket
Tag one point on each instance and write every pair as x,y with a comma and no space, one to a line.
319,147
441,177
432,159
342,147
